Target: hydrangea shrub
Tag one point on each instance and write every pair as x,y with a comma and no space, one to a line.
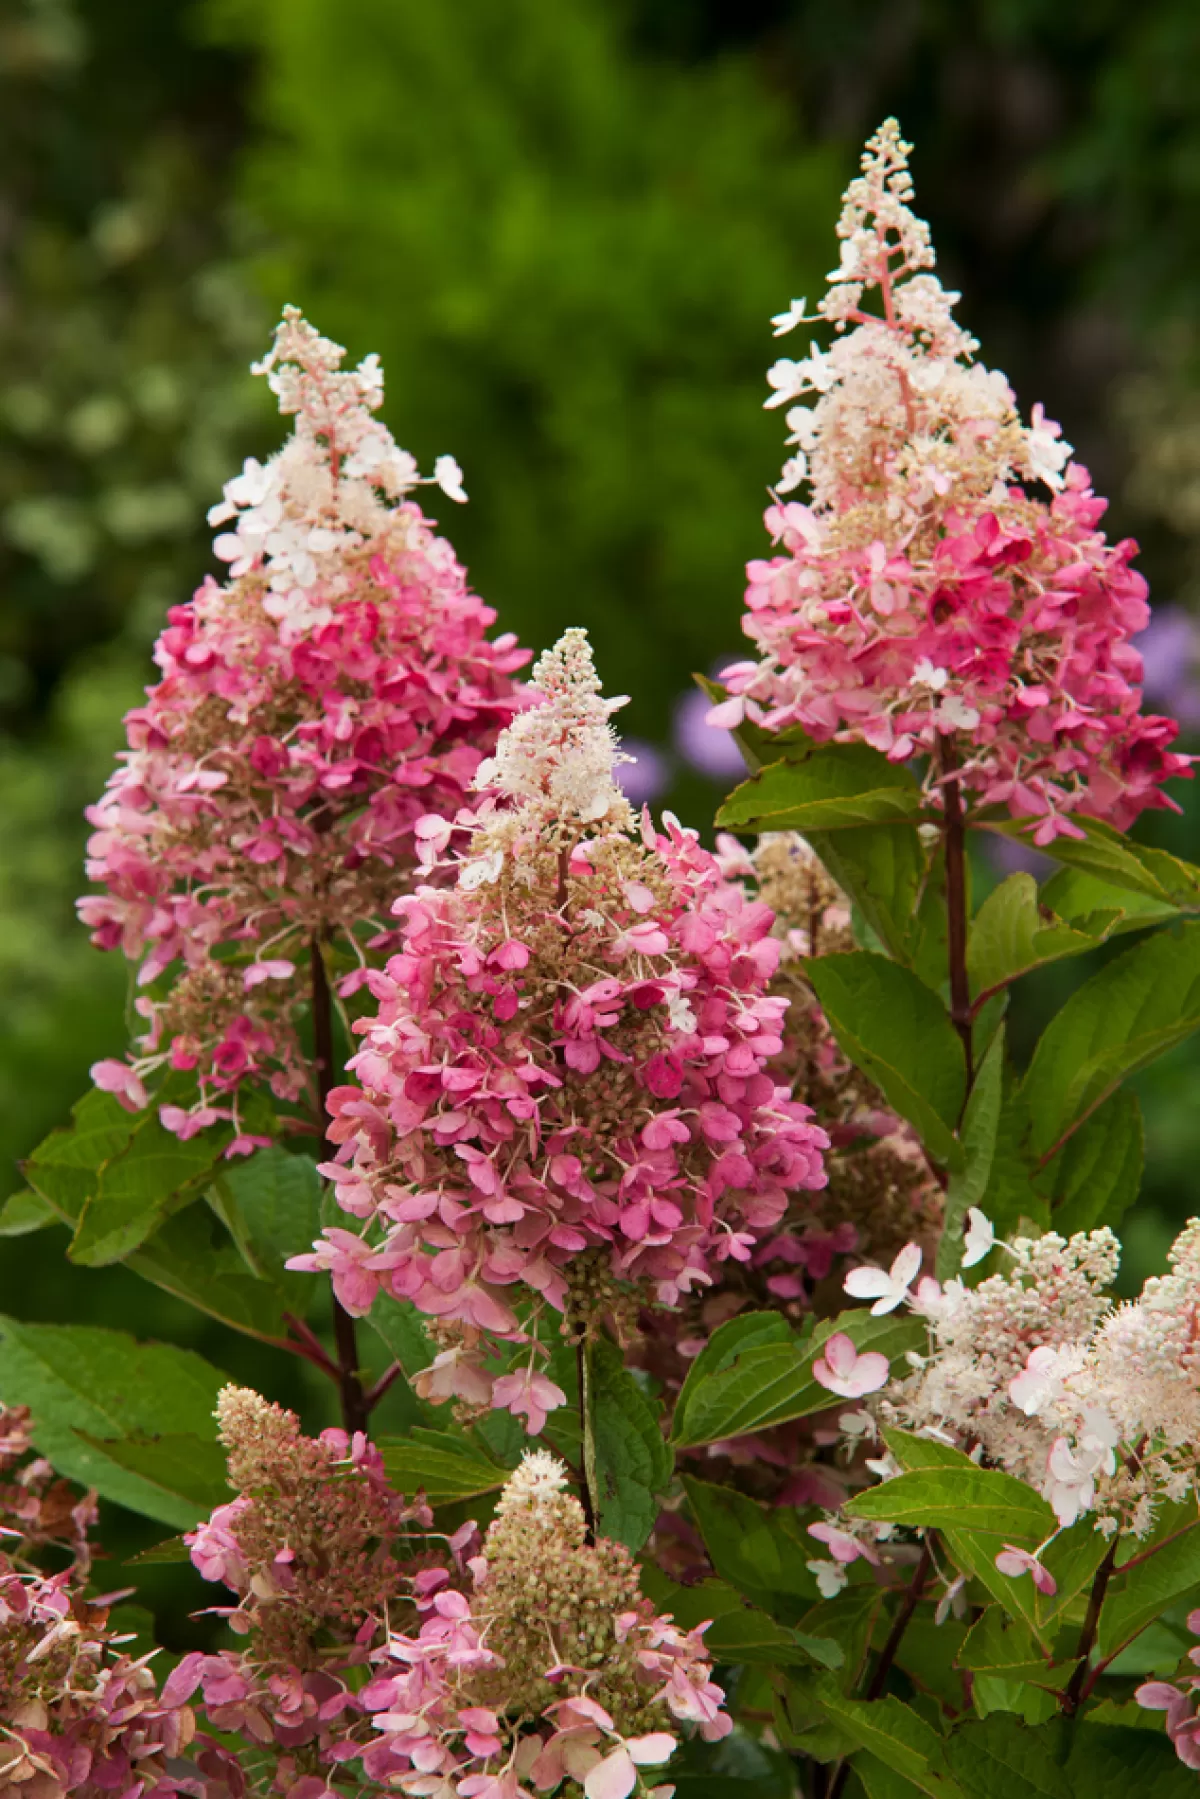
731,1390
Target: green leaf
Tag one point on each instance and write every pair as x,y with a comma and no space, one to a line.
1134,1009
962,1497
881,867
1012,932
1072,1558
185,1469
1117,860
135,1188
898,1032
892,1732
65,1167
1073,893
402,1329
1136,1597
76,1378
633,1462
191,1258
757,1551
737,1633
823,787
998,1644
271,1204
1114,1762
881,1780
24,1213
170,1550
980,1123
1011,1195
749,1330
770,1383
1097,1174
1000,1758
442,1469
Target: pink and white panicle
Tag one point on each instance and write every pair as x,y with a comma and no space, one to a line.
929,599
309,712
553,1668
565,1081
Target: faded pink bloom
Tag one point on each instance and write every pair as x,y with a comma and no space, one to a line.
847,1373
529,1395
841,1545
887,1290
310,713
928,593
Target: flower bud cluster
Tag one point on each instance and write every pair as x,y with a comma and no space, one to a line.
309,712
570,1052
925,594
554,1668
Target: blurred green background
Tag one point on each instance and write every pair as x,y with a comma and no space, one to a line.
564,225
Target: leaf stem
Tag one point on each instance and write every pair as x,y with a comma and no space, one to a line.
590,1496
355,1409
954,837
1091,1625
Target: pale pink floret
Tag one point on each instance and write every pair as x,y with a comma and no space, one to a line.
890,1289
930,592
1016,1562
847,1373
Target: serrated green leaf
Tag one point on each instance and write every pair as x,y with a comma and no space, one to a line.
401,1328
980,1124
1097,1174
823,787
271,1205
1000,1758
881,867
1135,1597
984,1501
170,1550
1114,1762
443,1474
1116,859
1000,1644
758,1552
1074,893
23,1213
894,1733
188,1470
136,1188
750,1330
1014,932
65,1166
1133,1010
771,1383
633,1461
77,1378
882,1781
898,1032
190,1257
1011,1194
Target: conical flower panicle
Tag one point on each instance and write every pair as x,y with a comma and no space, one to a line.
929,599
565,1083
309,712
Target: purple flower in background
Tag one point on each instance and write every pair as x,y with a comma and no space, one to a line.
706,747
646,775
1170,652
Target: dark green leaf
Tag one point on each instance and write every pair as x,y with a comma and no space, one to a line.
65,1167
1114,1762
76,1378
1073,893
171,1549
402,1329
137,1186
881,868
770,1383
825,787
1097,1174
23,1213
1012,932
1134,1009
898,1032
1000,1758
893,1733
981,1500
998,1644
184,1469
633,1461
1119,861
749,1330
883,1781
442,1471
978,1137
1011,1195
271,1204
191,1257
755,1550
1135,1598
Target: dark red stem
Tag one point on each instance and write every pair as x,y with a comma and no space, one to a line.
1091,1625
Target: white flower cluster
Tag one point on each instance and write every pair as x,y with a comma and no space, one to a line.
558,760
904,377
329,489
1037,1371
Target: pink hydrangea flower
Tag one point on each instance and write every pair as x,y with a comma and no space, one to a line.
570,1052
844,1371
1016,1562
929,598
336,690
